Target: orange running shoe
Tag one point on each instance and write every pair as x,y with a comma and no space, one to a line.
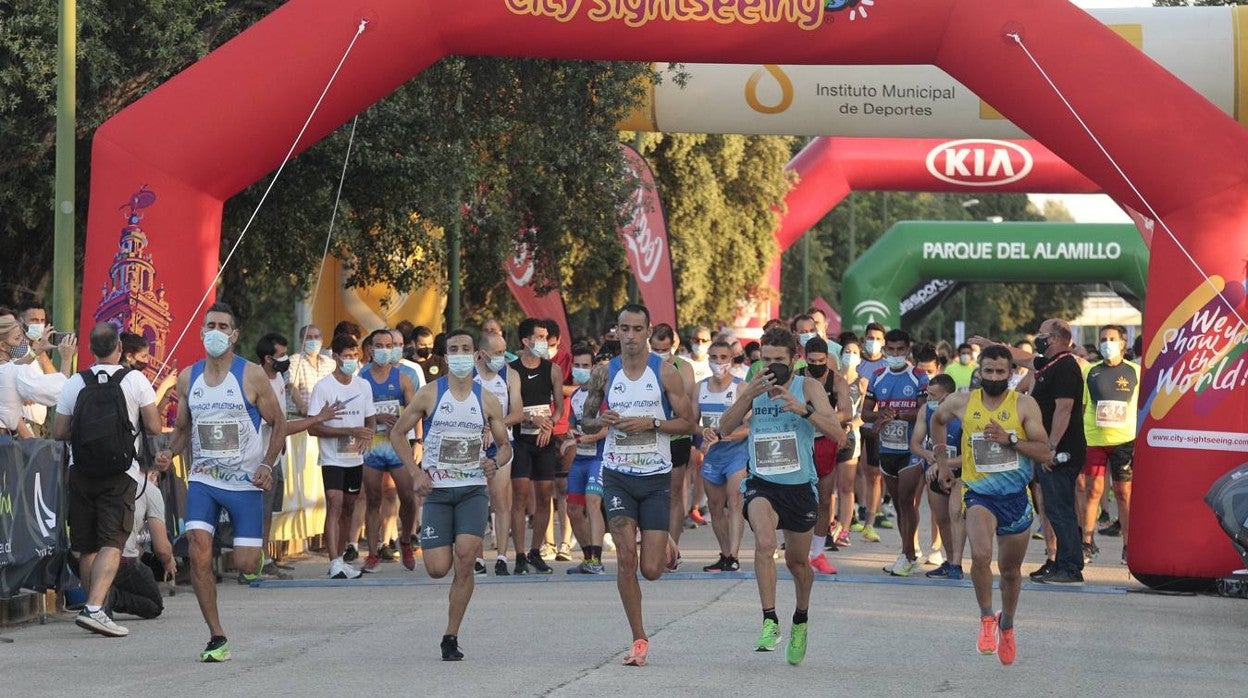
697,517
987,643
821,564
637,657
1007,649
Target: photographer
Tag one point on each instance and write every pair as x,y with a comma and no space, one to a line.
135,588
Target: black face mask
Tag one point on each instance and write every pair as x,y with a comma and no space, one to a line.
779,372
138,365
738,359
424,352
816,371
409,353
1042,345
282,366
994,388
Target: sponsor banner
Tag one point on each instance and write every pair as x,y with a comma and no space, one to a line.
520,272
32,508
646,245
924,298
1199,439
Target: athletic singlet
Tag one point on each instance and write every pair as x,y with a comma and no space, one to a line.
648,452
496,386
677,361
782,444
900,392
225,430
577,408
455,438
989,467
953,431
1110,400
536,392
388,399
713,405
829,388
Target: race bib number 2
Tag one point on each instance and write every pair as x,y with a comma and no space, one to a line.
776,454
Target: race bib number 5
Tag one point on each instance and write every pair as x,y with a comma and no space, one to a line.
218,439
776,454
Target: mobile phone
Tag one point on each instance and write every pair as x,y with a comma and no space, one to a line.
58,337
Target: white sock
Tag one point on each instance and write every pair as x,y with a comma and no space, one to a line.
501,557
816,546
93,609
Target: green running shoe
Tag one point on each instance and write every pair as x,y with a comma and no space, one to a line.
796,650
869,534
769,638
218,650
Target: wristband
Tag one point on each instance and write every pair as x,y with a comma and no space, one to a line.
266,465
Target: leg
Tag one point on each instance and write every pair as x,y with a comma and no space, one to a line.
135,591
500,498
736,522
823,521
564,536
405,491
981,529
795,545
1010,551
543,492
1093,488
354,522
938,503
957,525
101,570
873,481
203,579
1122,495
763,521
463,583
624,533
597,527
846,472
520,490
580,524
893,486
1059,503
333,517
372,518
389,507
717,500
680,496
347,532
909,482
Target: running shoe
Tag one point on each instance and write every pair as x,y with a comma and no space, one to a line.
500,568
696,517
637,655
821,565
842,538
450,649
595,566
1124,554
955,571
769,638
673,555
584,568
1007,649
276,571
882,521
409,555
835,529
387,552
1113,530
564,553
607,542
1038,534
732,565
941,572
338,569
351,554
478,568
795,652
218,650
1044,570
100,623
371,563
1103,517
987,642
718,565
522,565
899,568
856,527
935,558
869,534
547,551
829,543
1061,577
538,564
1089,552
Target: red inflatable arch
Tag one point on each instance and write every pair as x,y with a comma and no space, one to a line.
228,121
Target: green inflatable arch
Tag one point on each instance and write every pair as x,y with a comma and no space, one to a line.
911,252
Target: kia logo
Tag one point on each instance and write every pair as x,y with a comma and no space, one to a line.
978,162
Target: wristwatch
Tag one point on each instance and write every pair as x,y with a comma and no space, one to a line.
658,423
1013,439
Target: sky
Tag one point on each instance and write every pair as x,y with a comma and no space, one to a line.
1093,208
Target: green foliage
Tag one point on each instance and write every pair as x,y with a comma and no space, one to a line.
720,195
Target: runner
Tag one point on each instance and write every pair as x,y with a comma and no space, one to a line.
457,414
894,397
725,456
946,510
836,389
392,391
536,461
1002,436
495,378
1110,398
783,413
647,403
221,401
342,442
870,484
585,476
663,343
847,458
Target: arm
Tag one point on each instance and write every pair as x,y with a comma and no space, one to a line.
1061,419
161,546
917,437
166,385
844,405
556,377
677,390
1036,447
61,427
592,422
265,400
950,408
739,414
296,393
514,400
415,411
498,430
181,426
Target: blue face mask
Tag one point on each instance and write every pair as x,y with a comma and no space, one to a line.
496,363
460,365
581,375
805,337
312,347
382,357
216,343
350,366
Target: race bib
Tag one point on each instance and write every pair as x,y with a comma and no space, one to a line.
893,435
776,454
534,411
587,449
642,442
1111,413
390,407
218,439
992,457
346,445
460,452
710,420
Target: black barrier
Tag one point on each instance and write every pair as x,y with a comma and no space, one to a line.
33,542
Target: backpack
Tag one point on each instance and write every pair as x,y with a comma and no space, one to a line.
101,433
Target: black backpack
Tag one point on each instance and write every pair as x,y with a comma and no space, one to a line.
101,433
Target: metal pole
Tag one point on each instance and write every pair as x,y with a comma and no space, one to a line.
63,282
806,270
853,231
452,264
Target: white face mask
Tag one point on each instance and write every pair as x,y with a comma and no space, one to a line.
873,347
1110,350
496,363
35,331
895,363
541,349
850,359
700,348
805,337
216,343
381,357
720,369
350,366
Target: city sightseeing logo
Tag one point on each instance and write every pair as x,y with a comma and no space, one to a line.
806,14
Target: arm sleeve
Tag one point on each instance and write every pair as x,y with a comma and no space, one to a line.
69,395
38,387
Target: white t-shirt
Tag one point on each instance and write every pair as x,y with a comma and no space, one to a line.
148,504
139,394
357,402
21,383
